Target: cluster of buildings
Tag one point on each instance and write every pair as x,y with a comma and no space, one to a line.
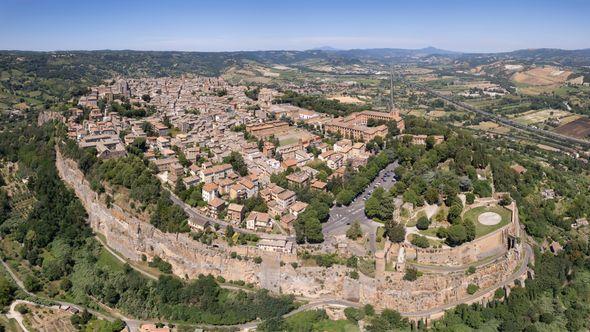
200,121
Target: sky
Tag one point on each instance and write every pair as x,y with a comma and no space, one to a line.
199,25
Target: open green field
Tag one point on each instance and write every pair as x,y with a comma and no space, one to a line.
312,321
481,230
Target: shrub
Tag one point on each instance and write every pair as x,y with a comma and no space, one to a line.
441,232
412,274
423,223
420,241
469,198
65,284
472,288
161,265
32,284
22,309
499,293
505,200
354,314
369,310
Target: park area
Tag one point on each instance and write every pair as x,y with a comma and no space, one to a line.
488,219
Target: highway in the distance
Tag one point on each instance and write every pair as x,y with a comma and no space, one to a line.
565,143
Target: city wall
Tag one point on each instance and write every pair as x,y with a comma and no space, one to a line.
492,244
133,238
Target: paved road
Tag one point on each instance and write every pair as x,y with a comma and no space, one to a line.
342,216
196,215
564,142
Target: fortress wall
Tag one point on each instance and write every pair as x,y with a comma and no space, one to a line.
491,244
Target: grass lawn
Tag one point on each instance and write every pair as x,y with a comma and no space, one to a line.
429,232
312,320
480,229
107,260
342,325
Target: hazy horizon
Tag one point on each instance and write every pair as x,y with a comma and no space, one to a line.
263,25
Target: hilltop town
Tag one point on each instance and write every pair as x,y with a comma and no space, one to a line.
205,133
318,195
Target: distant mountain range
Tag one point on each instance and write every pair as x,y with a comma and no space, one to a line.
430,50
106,63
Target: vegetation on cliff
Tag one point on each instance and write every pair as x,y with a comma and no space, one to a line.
134,174
65,260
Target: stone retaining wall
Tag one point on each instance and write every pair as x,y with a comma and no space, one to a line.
133,237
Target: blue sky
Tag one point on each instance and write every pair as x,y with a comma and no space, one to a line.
479,26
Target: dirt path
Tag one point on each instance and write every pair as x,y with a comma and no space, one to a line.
12,313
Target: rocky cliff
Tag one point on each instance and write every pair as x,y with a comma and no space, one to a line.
133,238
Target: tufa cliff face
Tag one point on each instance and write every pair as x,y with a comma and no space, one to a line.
132,237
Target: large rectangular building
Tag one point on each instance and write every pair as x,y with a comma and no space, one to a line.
355,125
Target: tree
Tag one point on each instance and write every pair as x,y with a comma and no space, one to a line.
423,223
354,231
147,98
6,291
482,188
395,231
308,227
237,162
431,195
456,235
454,215
472,288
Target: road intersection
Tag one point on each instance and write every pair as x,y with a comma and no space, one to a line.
341,217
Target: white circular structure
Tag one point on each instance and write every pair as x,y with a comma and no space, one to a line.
489,218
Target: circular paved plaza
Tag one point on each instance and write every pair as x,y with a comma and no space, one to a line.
489,218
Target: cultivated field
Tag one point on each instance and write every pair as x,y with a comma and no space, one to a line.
538,116
45,319
347,99
579,128
542,76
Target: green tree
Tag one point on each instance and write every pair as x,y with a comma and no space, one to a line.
395,231
354,231
423,223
